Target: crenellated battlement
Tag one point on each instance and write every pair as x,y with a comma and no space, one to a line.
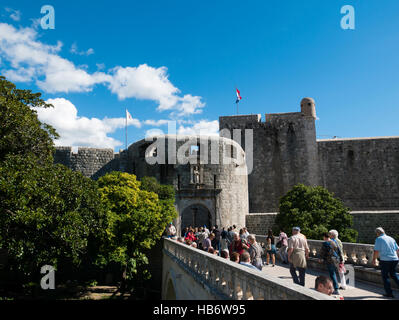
92,162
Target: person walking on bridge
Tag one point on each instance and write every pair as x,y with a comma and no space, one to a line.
341,268
282,244
270,248
255,252
387,249
208,242
216,240
223,239
238,245
201,237
298,252
332,257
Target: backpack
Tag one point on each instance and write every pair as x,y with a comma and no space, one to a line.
333,254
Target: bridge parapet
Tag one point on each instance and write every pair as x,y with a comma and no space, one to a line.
224,279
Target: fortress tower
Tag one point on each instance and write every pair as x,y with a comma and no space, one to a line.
208,191
284,153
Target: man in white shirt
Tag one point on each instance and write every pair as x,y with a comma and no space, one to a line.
171,230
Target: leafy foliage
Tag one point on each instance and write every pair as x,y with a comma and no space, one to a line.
48,216
166,194
136,220
48,213
21,133
316,211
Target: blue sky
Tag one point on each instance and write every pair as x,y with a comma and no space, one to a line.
182,60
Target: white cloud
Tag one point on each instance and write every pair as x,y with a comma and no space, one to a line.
51,72
74,50
154,133
35,23
100,66
20,75
189,105
81,131
156,123
31,60
14,14
202,127
146,82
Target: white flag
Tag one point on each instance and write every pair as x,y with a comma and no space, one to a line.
128,115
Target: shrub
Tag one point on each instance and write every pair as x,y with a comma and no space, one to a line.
315,211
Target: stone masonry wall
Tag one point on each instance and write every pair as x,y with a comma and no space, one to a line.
91,162
362,172
259,223
365,223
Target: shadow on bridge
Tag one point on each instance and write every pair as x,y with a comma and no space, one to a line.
361,290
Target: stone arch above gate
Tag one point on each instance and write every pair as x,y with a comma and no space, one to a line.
196,215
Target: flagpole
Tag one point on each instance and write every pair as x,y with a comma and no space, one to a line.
126,127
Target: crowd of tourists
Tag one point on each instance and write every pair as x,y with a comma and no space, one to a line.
237,245
241,247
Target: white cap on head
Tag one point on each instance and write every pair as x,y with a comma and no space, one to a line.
379,230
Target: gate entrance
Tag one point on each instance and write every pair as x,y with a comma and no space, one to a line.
195,215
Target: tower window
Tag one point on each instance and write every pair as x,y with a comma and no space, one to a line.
194,150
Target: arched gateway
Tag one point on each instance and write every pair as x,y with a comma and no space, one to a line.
195,215
211,184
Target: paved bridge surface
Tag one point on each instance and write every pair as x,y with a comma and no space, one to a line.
361,290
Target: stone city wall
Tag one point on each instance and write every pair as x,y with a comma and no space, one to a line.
365,223
91,162
362,172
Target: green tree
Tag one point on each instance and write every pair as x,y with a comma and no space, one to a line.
316,211
48,215
166,195
136,220
21,133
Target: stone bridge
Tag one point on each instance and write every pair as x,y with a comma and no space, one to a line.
192,274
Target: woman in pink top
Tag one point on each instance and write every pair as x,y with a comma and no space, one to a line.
282,244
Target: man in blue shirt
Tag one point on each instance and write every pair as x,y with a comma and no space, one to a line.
388,250
245,260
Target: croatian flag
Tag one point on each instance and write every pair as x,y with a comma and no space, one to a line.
238,96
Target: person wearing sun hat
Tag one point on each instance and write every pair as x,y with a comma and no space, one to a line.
298,252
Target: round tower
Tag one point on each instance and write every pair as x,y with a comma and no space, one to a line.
308,107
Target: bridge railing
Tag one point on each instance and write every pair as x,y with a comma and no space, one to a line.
354,253
230,280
